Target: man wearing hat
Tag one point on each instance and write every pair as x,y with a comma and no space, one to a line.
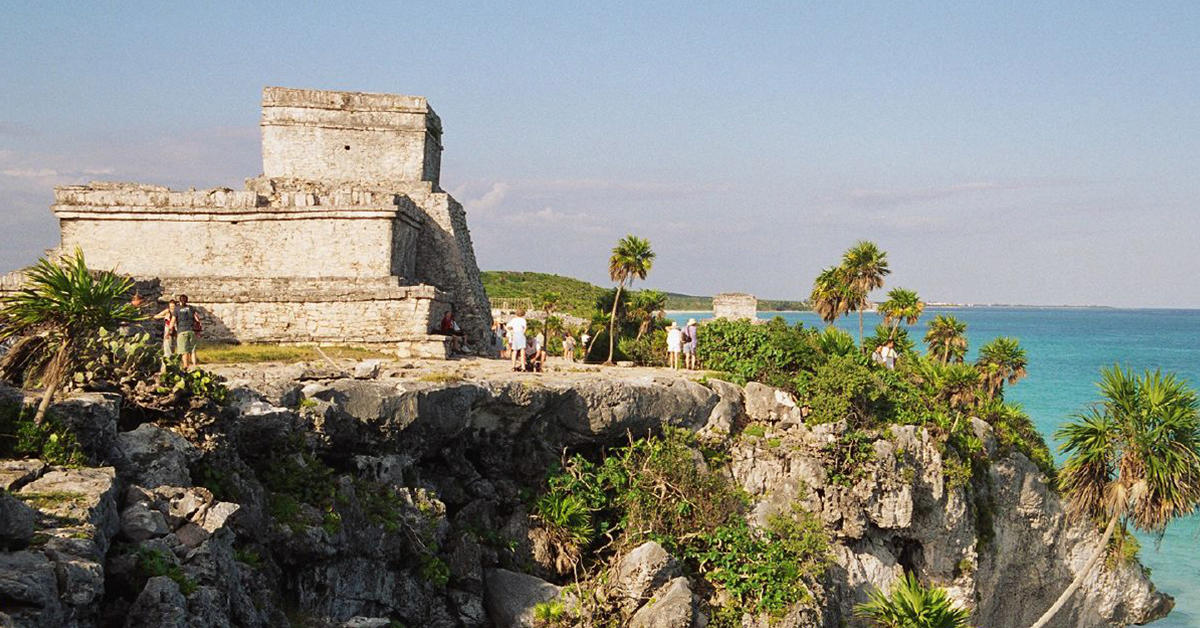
689,344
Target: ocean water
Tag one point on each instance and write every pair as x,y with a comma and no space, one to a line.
1066,348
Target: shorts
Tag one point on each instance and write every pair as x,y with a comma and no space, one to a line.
185,342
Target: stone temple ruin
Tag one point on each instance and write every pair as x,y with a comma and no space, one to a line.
346,237
735,305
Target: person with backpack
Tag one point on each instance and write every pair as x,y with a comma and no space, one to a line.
689,344
187,326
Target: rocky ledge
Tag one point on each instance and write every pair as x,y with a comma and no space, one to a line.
321,500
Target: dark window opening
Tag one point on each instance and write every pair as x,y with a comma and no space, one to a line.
347,147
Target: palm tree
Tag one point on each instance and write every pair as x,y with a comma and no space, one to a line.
865,267
831,294
1134,457
631,259
947,338
901,305
60,306
645,306
1001,360
547,302
911,605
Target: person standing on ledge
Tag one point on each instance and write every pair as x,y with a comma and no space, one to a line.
569,348
674,344
516,339
187,325
689,344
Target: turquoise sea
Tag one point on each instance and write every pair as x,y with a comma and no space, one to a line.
1066,349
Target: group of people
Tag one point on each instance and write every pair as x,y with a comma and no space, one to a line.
527,353
181,329
682,341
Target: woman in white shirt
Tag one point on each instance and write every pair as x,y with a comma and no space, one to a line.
674,345
516,340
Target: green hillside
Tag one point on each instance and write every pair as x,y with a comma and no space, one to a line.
579,297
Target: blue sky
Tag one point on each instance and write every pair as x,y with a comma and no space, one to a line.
1025,152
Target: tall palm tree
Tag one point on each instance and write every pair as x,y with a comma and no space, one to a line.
911,605
645,306
631,259
61,305
947,338
1132,457
547,302
831,294
865,267
901,305
1001,360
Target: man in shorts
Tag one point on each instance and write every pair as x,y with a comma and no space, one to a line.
187,325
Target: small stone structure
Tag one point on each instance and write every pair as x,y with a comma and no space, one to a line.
735,305
345,237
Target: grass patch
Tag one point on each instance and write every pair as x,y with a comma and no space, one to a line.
441,378
153,563
226,353
53,499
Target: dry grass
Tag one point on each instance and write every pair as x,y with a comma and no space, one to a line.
221,353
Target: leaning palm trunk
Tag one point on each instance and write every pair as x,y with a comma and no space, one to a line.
56,373
1091,564
612,324
21,358
860,330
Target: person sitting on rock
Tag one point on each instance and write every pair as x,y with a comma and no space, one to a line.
537,356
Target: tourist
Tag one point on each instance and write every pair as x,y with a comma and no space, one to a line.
689,344
885,355
583,341
168,316
187,326
539,342
516,339
674,344
537,356
449,327
890,355
498,340
569,348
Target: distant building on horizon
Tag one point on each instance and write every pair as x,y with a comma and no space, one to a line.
735,305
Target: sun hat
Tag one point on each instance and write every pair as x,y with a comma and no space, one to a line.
691,321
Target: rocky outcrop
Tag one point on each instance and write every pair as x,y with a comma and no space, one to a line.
1001,545
360,500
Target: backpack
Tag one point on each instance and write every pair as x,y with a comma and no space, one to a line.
686,337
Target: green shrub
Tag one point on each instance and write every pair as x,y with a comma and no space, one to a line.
772,353
649,350
51,441
152,563
435,571
113,359
787,558
196,382
848,456
847,388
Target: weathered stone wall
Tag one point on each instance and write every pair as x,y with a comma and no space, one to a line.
148,231
343,136
307,310
735,305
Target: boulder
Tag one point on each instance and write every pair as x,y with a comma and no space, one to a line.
16,521
17,473
79,504
92,418
157,456
672,607
139,523
367,622
510,597
770,405
367,369
28,591
643,570
159,605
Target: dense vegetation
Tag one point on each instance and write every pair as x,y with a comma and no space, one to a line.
655,489
579,296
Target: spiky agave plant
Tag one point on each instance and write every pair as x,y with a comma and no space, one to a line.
912,605
567,523
61,305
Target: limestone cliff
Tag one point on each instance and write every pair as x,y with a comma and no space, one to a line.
323,500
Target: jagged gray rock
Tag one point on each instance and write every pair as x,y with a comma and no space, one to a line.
17,473
510,597
641,571
160,604
140,523
16,521
672,607
157,456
